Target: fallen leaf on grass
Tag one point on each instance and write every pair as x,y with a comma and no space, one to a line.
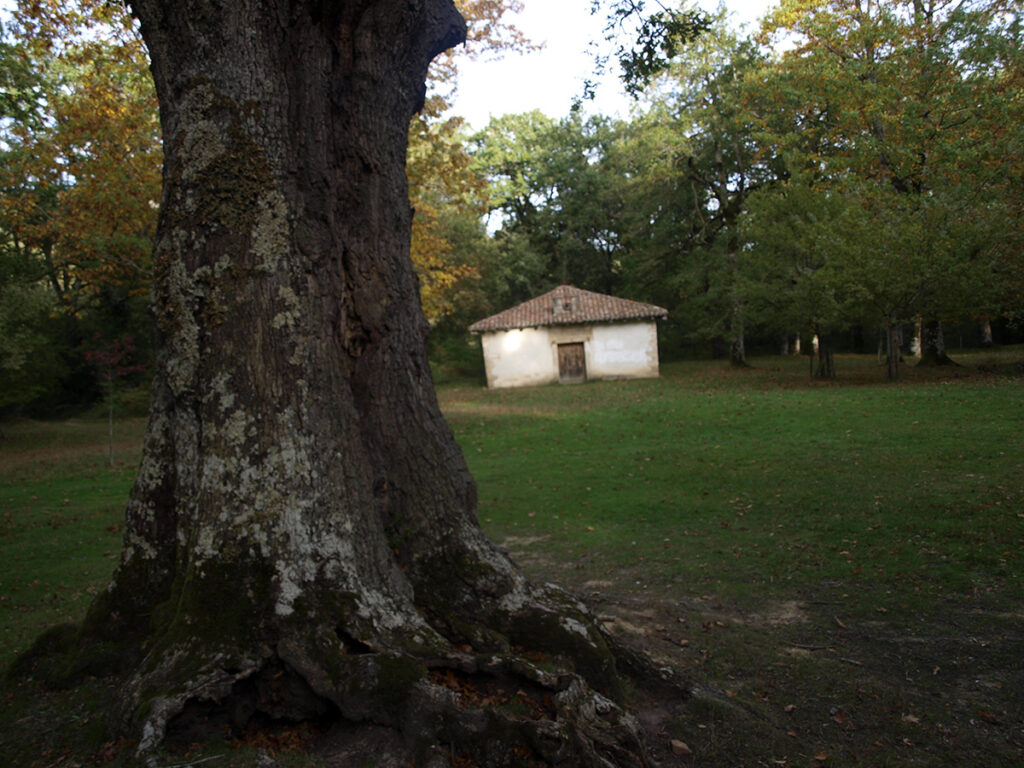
681,748
821,757
911,719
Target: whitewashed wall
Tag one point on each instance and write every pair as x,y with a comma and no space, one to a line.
529,357
623,350
519,358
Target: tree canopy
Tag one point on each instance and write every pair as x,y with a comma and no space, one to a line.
887,134
302,539
850,166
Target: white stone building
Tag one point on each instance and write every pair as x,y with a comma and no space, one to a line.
569,335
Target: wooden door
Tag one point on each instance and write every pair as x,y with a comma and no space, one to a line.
572,363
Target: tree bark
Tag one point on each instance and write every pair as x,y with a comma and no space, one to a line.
933,345
986,333
737,326
301,539
825,368
737,342
893,355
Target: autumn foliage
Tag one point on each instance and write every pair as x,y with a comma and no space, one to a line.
81,184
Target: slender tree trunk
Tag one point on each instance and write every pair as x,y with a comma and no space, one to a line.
826,368
110,422
302,539
986,333
737,345
892,337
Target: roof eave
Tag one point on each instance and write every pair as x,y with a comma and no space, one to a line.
602,321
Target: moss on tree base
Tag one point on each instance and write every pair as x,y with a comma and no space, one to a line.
458,707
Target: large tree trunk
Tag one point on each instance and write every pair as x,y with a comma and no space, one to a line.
933,344
302,539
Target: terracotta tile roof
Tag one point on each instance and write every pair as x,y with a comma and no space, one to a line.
567,305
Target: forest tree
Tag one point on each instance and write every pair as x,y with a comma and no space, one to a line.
301,539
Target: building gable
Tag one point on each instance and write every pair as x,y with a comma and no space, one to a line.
568,305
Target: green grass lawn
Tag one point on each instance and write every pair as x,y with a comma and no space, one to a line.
840,561
61,517
756,483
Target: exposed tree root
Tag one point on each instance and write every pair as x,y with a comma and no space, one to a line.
441,705
459,707
480,710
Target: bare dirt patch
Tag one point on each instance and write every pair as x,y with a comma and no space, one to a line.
805,681
790,683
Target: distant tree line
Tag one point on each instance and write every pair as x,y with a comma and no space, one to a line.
845,175
79,194
80,188
848,174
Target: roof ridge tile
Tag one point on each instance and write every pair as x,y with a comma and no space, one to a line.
568,305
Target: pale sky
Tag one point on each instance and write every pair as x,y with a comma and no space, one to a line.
549,79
